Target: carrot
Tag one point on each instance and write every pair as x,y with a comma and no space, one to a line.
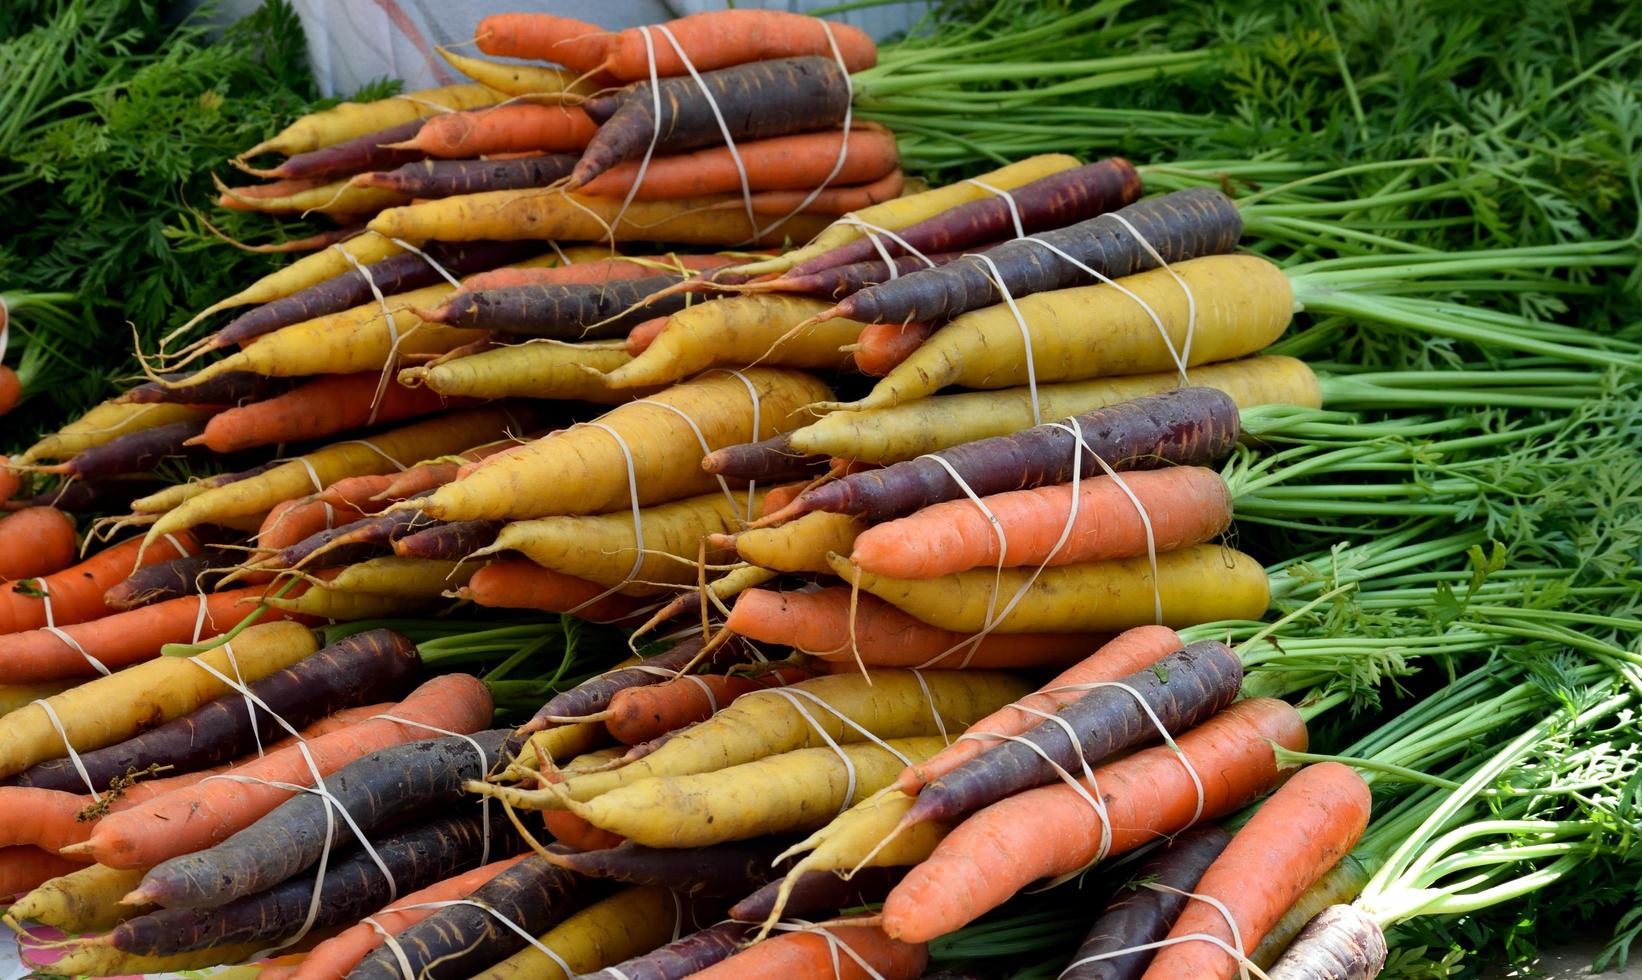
342,952
358,669
722,38
382,453
583,470
424,776
93,960
891,435
36,541
792,163
9,480
372,151
818,891
514,79
11,389
234,388
1179,226
605,548
557,215
1335,922
461,940
1140,914
640,714
534,369
197,817
15,696
790,791
833,200
104,496
105,423
350,119
429,179
566,311
630,922
1293,839
353,885
1129,652
814,954
1183,690
881,346
23,869
1196,584
1182,506
335,604
134,452
576,44
818,624
888,703
595,694
84,900
643,335
797,546
682,957
43,818
1052,830
767,461
351,288
339,198
760,100
761,328
527,585
595,271
1185,426
322,407
502,129
391,575
725,870
1242,304
110,709
449,541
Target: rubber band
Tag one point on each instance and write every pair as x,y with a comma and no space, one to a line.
1233,949
758,407
373,447
870,230
1090,795
181,551
1151,715
712,699
44,588
843,143
974,642
73,756
1076,429
638,520
929,699
330,515
1191,299
319,486
792,695
1020,321
484,767
834,944
701,439
5,326
393,327
1008,199
723,128
392,942
655,135
498,916
678,916
443,272
563,258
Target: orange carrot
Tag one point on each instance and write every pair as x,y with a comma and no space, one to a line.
344,501
779,497
643,335
639,714
835,200
36,541
881,346
11,389
818,623
782,163
1052,830
505,128
522,584
23,869
77,591
290,521
812,956
576,44
199,816
1128,652
124,638
336,956
1289,843
9,480
570,829
50,819
722,38
245,198
1185,505
578,273
334,403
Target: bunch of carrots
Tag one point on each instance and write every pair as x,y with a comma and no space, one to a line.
929,512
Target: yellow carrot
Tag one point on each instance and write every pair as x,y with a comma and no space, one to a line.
511,78
350,119
629,923
105,423
537,369
87,900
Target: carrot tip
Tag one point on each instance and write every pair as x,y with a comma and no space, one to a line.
82,849
139,896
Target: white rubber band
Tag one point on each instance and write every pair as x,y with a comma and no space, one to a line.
723,128
792,695
498,916
974,642
319,486
392,942
843,143
393,326
1191,300
1168,739
73,756
638,520
443,272
484,767
655,135
1020,321
758,408
1245,966
1008,199
1076,428
373,447
712,699
929,699
869,229
834,944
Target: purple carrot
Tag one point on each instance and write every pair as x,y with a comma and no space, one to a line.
1341,941
354,886
1138,915
185,576
1183,689
819,891
451,541
108,495
134,452
446,178
374,790
723,870
771,460
756,101
680,958
1049,202
232,388
377,665
563,311
1186,426
394,274
593,695
1179,226
367,537
461,940
838,281
367,152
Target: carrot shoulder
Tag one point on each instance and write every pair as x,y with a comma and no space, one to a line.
811,954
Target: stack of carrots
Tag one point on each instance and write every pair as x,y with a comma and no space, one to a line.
929,646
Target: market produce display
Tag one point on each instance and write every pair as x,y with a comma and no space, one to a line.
1060,493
